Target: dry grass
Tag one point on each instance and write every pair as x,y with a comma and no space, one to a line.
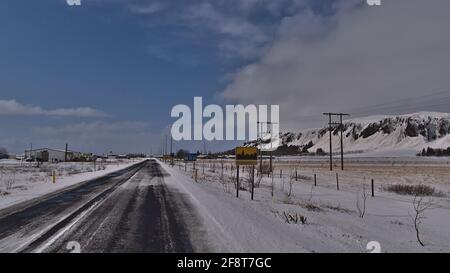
415,190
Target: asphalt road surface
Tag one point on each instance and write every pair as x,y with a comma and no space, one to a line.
128,211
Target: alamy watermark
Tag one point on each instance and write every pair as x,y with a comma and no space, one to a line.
230,124
373,2
73,2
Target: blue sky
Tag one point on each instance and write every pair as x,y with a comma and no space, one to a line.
104,76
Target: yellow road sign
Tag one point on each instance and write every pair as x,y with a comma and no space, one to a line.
246,155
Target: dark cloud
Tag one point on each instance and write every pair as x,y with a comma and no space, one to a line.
355,58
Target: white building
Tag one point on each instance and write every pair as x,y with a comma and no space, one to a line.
51,155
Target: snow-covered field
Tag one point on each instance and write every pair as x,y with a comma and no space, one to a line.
332,220
21,181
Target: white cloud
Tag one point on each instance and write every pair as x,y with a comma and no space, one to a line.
97,136
147,8
360,56
98,127
241,29
12,107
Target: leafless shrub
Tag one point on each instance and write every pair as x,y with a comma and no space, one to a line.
10,180
361,198
265,168
416,190
311,207
74,171
291,181
304,177
258,180
420,206
311,193
294,218
226,181
338,208
44,168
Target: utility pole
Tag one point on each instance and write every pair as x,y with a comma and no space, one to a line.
171,152
171,145
65,153
341,128
342,142
259,141
165,148
31,153
268,123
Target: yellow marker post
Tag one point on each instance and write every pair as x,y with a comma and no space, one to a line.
54,177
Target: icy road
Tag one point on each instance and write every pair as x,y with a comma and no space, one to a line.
127,211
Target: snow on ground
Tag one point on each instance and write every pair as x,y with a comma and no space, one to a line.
333,223
22,181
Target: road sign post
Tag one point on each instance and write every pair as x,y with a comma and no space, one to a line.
245,156
373,188
237,181
253,181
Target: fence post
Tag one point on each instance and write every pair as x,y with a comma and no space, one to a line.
253,181
337,181
373,189
315,180
237,181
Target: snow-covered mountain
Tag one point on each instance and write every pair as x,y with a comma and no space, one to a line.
377,134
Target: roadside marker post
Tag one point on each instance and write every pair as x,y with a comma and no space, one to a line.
237,181
253,181
337,181
373,189
54,177
315,180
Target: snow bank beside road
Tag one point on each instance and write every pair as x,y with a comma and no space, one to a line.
333,223
33,182
234,225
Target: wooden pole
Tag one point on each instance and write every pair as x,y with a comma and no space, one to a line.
373,189
337,181
315,180
342,142
253,181
331,145
237,181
